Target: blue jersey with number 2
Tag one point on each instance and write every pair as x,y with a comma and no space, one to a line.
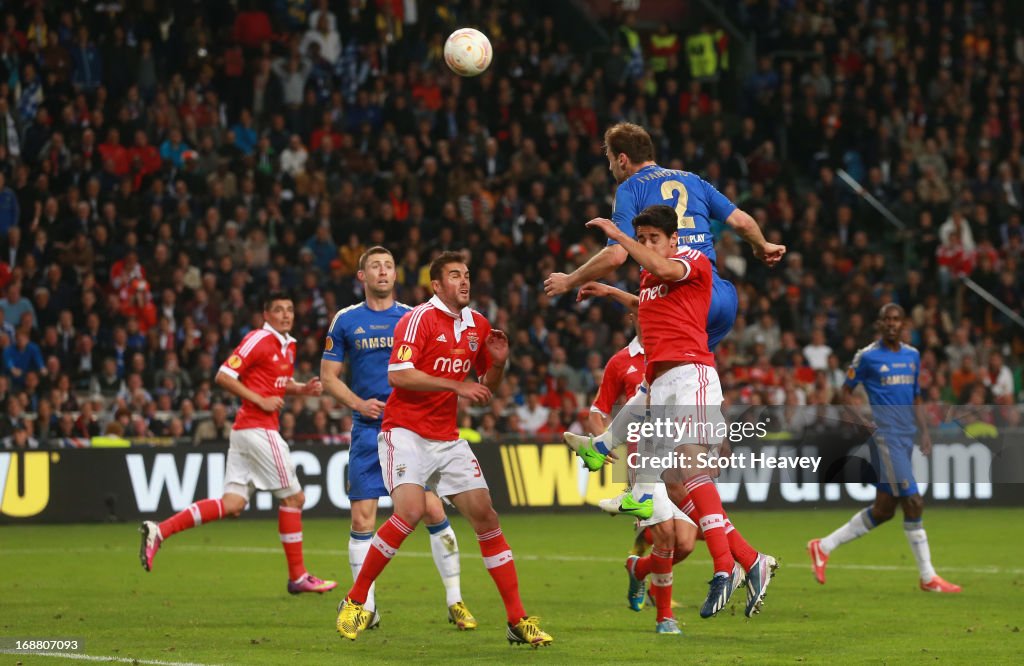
696,201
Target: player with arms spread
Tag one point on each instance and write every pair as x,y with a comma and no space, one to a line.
363,335
889,371
675,295
259,371
436,346
695,201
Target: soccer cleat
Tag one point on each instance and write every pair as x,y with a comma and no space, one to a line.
310,583
626,505
639,543
527,632
583,445
668,626
351,619
719,591
758,578
937,584
460,616
371,619
818,559
637,587
739,577
151,541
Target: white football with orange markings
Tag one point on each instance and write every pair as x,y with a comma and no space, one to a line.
468,52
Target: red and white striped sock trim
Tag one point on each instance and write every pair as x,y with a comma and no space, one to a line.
662,553
197,516
489,535
728,526
697,482
292,537
661,579
289,509
689,507
401,525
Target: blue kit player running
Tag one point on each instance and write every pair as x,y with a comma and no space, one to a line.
643,183
889,371
362,336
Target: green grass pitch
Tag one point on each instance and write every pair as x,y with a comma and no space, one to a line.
217,595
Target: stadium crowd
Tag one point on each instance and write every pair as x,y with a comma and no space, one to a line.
161,168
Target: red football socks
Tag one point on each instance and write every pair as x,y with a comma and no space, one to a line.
712,521
383,547
498,560
289,526
203,511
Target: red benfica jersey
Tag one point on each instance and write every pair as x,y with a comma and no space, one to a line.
442,344
622,375
674,315
264,362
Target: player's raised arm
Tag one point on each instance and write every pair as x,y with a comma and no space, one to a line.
749,230
496,345
657,264
599,290
599,266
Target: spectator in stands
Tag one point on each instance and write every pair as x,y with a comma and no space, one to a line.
22,357
20,439
214,429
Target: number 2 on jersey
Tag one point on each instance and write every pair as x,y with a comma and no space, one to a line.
670,187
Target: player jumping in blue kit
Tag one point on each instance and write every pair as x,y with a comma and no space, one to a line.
362,335
889,371
643,183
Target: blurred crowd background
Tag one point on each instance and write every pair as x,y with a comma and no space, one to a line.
163,165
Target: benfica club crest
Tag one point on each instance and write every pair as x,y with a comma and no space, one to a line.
474,341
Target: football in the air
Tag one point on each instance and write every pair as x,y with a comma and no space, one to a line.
468,52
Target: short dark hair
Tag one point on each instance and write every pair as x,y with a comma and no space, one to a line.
376,249
630,139
887,306
275,296
442,260
660,217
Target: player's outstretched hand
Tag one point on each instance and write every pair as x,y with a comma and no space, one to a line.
497,346
478,394
371,409
771,254
607,226
592,290
313,387
271,403
557,284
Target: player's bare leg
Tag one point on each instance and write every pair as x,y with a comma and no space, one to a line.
478,509
289,525
444,546
203,511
